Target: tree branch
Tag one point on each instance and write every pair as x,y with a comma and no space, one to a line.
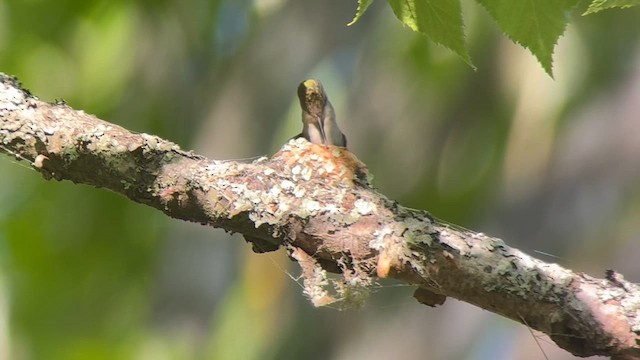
317,202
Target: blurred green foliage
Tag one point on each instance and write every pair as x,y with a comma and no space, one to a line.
86,274
534,25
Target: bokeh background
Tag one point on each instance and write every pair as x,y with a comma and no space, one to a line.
550,166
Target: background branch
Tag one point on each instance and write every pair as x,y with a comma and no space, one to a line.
318,203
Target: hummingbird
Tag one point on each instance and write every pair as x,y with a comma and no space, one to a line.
319,124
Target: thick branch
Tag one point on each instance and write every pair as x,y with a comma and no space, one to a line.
317,202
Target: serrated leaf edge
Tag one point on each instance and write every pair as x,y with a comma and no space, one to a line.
362,7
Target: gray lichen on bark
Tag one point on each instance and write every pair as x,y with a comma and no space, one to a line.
317,202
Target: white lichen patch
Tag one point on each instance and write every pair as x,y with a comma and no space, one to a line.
99,130
364,207
307,173
379,243
151,141
299,191
283,207
256,218
49,130
330,166
287,184
525,261
268,171
218,169
453,240
239,189
120,148
11,99
239,206
311,206
557,272
275,191
255,197
331,208
314,157
299,141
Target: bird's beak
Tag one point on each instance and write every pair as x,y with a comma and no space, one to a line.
322,134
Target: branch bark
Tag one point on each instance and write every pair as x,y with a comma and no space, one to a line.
318,203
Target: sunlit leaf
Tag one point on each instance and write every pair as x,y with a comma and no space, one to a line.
440,20
534,24
362,7
599,5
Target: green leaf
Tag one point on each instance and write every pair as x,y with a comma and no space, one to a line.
362,7
534,24
440,20
599,5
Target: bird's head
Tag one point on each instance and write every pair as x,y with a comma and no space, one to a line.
312,97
